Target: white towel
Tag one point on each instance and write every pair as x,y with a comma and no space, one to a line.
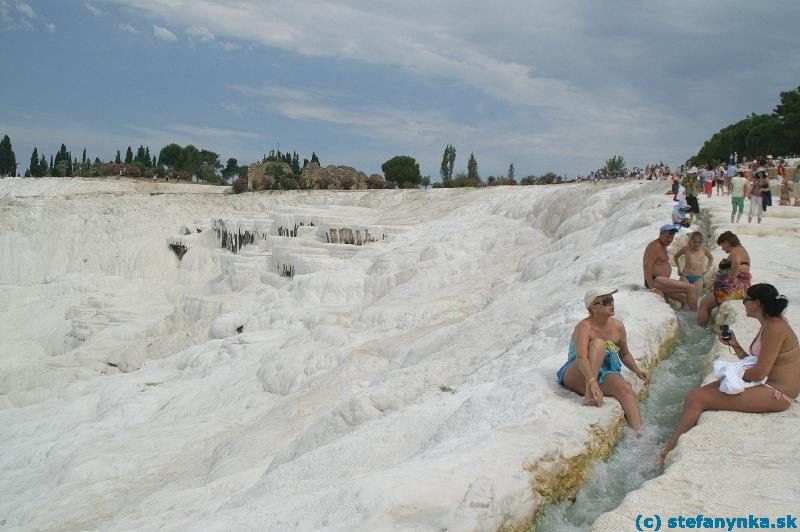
730,375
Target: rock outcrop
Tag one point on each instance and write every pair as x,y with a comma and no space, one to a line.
335,177
261,176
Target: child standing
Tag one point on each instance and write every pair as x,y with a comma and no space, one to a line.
693,254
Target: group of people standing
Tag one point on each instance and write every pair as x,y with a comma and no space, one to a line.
747,181
598,347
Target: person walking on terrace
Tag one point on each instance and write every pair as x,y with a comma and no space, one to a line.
597,350
692,187
759,184
740,188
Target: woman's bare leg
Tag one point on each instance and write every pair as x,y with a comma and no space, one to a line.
575,380
704,310
615,386
708,397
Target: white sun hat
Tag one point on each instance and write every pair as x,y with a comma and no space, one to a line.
594,293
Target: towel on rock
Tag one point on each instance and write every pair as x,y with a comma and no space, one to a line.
729,375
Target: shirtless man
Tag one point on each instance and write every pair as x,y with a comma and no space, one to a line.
657,271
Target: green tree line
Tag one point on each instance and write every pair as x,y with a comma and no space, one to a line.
757,135
184,162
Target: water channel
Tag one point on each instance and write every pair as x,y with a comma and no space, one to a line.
634,459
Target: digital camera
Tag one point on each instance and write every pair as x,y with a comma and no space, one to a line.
725,332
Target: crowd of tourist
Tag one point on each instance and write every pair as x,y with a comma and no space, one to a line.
769,374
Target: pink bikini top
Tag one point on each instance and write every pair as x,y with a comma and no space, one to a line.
755,345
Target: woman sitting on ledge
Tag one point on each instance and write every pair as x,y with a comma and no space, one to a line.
778,353
597,343
732,279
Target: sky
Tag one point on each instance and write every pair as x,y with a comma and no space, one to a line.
548,86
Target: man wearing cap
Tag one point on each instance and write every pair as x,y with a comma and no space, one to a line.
597,350
739,191
657,271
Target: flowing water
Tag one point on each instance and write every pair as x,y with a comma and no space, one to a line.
634,460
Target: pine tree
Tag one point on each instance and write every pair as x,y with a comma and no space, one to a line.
147,159
83,158
34,166
314,158
129,156
118,159
43,169
50,168
511,172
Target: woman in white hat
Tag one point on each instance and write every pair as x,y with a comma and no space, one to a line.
597,350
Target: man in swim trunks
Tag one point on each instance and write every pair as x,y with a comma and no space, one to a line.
657,271
597,350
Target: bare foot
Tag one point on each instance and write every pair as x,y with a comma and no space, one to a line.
662,457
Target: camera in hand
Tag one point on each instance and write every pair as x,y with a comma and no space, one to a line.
725,332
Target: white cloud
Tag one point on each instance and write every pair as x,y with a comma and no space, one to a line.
393,124
5,14
229,46
200,33
50,27
93,10
164,34
128,28
26,10
233,108
191,133
211,132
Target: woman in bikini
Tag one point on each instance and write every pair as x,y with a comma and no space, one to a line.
778,352
732,279
597,350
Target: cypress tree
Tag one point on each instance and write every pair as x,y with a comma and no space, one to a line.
118,159
34,166
129,156
43,170
83,159
472,168
8,161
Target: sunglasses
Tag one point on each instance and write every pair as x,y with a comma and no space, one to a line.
606,301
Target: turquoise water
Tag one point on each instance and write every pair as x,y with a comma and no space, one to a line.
634,459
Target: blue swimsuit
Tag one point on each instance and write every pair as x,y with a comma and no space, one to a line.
692,278
611,362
